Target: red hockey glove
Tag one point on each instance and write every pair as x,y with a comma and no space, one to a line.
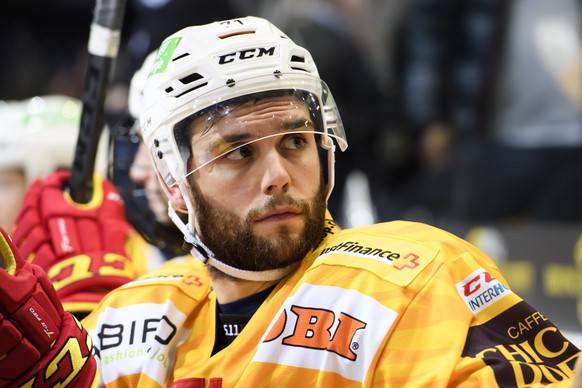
81,246
40,344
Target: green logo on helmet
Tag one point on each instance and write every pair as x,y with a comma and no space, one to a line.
164,55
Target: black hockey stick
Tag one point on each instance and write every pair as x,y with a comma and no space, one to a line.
104,41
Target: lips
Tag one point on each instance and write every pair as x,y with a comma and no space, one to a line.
278,213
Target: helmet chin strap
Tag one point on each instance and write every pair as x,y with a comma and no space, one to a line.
201,252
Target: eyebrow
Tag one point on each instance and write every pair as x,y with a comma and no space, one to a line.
233,138
290,125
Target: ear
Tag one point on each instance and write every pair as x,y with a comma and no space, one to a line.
176,197
173,193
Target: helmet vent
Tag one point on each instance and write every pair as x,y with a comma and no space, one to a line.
180,57
298,63
297,58
237,33
192,78
194,88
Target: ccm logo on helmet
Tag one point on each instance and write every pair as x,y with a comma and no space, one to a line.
256,52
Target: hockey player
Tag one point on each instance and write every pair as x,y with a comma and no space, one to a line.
37,137
135,178
243,133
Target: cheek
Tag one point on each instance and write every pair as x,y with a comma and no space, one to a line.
234,195
151,182
307,177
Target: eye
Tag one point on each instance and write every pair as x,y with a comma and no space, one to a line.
294,142
239,153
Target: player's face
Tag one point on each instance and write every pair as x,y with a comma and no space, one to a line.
12,188
142,172
260,206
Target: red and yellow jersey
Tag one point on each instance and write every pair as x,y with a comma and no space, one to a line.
397,304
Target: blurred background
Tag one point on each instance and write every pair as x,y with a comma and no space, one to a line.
465,114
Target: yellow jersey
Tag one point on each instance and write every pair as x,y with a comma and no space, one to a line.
396,304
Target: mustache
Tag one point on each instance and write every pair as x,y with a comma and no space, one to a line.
273,203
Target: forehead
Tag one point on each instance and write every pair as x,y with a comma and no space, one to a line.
254,117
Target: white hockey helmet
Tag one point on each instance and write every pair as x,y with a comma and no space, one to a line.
137,84
204,66
38,135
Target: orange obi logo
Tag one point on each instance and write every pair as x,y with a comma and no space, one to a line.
342,338
313,330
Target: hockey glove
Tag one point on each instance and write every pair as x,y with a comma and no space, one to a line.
41,345
82,247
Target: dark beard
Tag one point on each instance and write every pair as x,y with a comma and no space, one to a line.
233,242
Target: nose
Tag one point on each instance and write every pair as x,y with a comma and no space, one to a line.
276,178
141,169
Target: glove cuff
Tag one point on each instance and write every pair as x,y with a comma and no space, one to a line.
68,363
82,281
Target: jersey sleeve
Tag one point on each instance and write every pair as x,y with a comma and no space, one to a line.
465,326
